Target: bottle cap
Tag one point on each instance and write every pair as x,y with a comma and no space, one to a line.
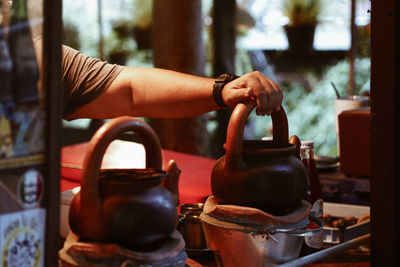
308,143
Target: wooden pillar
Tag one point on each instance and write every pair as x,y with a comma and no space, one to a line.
52,16
224,46
353,48
385,146
100,24
178,45
224,35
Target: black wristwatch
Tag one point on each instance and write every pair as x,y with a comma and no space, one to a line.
219,84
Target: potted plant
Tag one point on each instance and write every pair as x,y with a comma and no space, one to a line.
120,42
142,20
303,18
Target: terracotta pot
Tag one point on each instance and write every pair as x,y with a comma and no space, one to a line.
129,207
262,174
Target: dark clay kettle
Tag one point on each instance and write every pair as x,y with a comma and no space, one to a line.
257,173
129,207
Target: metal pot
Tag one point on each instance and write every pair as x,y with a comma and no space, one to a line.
235,245
190,226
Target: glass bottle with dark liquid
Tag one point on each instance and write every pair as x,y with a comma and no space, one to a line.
314,197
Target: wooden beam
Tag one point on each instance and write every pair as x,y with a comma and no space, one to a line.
385,146
52,86
178,45
353,48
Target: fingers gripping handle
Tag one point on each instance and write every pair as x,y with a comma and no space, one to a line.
237,122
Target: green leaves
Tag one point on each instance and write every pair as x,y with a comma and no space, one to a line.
302,12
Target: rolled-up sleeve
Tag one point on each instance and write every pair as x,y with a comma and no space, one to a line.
84,78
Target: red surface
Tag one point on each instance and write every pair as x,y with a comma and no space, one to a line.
194,181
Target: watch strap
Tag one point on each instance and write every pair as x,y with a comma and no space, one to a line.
218,86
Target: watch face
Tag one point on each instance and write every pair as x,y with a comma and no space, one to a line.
225,78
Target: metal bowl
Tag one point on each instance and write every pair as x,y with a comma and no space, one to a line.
190,226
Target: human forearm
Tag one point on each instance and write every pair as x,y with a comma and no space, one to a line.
164,93
150,92
160,93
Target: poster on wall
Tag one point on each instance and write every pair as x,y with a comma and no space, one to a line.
22,117
21,188
22,237
22,139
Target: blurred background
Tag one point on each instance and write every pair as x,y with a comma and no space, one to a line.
120,32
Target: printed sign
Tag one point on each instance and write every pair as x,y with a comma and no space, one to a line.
6,135
22,238
30,189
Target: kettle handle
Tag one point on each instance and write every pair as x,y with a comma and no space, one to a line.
234,136
97,146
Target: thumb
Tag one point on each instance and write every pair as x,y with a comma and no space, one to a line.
239,95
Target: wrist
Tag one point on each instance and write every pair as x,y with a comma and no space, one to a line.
219,85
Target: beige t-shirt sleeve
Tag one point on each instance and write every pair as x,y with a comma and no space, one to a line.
84,78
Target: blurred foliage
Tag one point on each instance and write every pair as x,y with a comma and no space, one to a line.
302,12
311,114
364,40
243,63
244,20
119,45
70,35
123,28
122,46
142,13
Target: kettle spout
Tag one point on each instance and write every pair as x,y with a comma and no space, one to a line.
172,180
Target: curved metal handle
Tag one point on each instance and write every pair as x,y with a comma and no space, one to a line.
97,146
234,136
305,232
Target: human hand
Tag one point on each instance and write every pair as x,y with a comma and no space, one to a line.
257,87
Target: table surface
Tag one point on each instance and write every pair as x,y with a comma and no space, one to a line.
194,181
350,258
194,186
